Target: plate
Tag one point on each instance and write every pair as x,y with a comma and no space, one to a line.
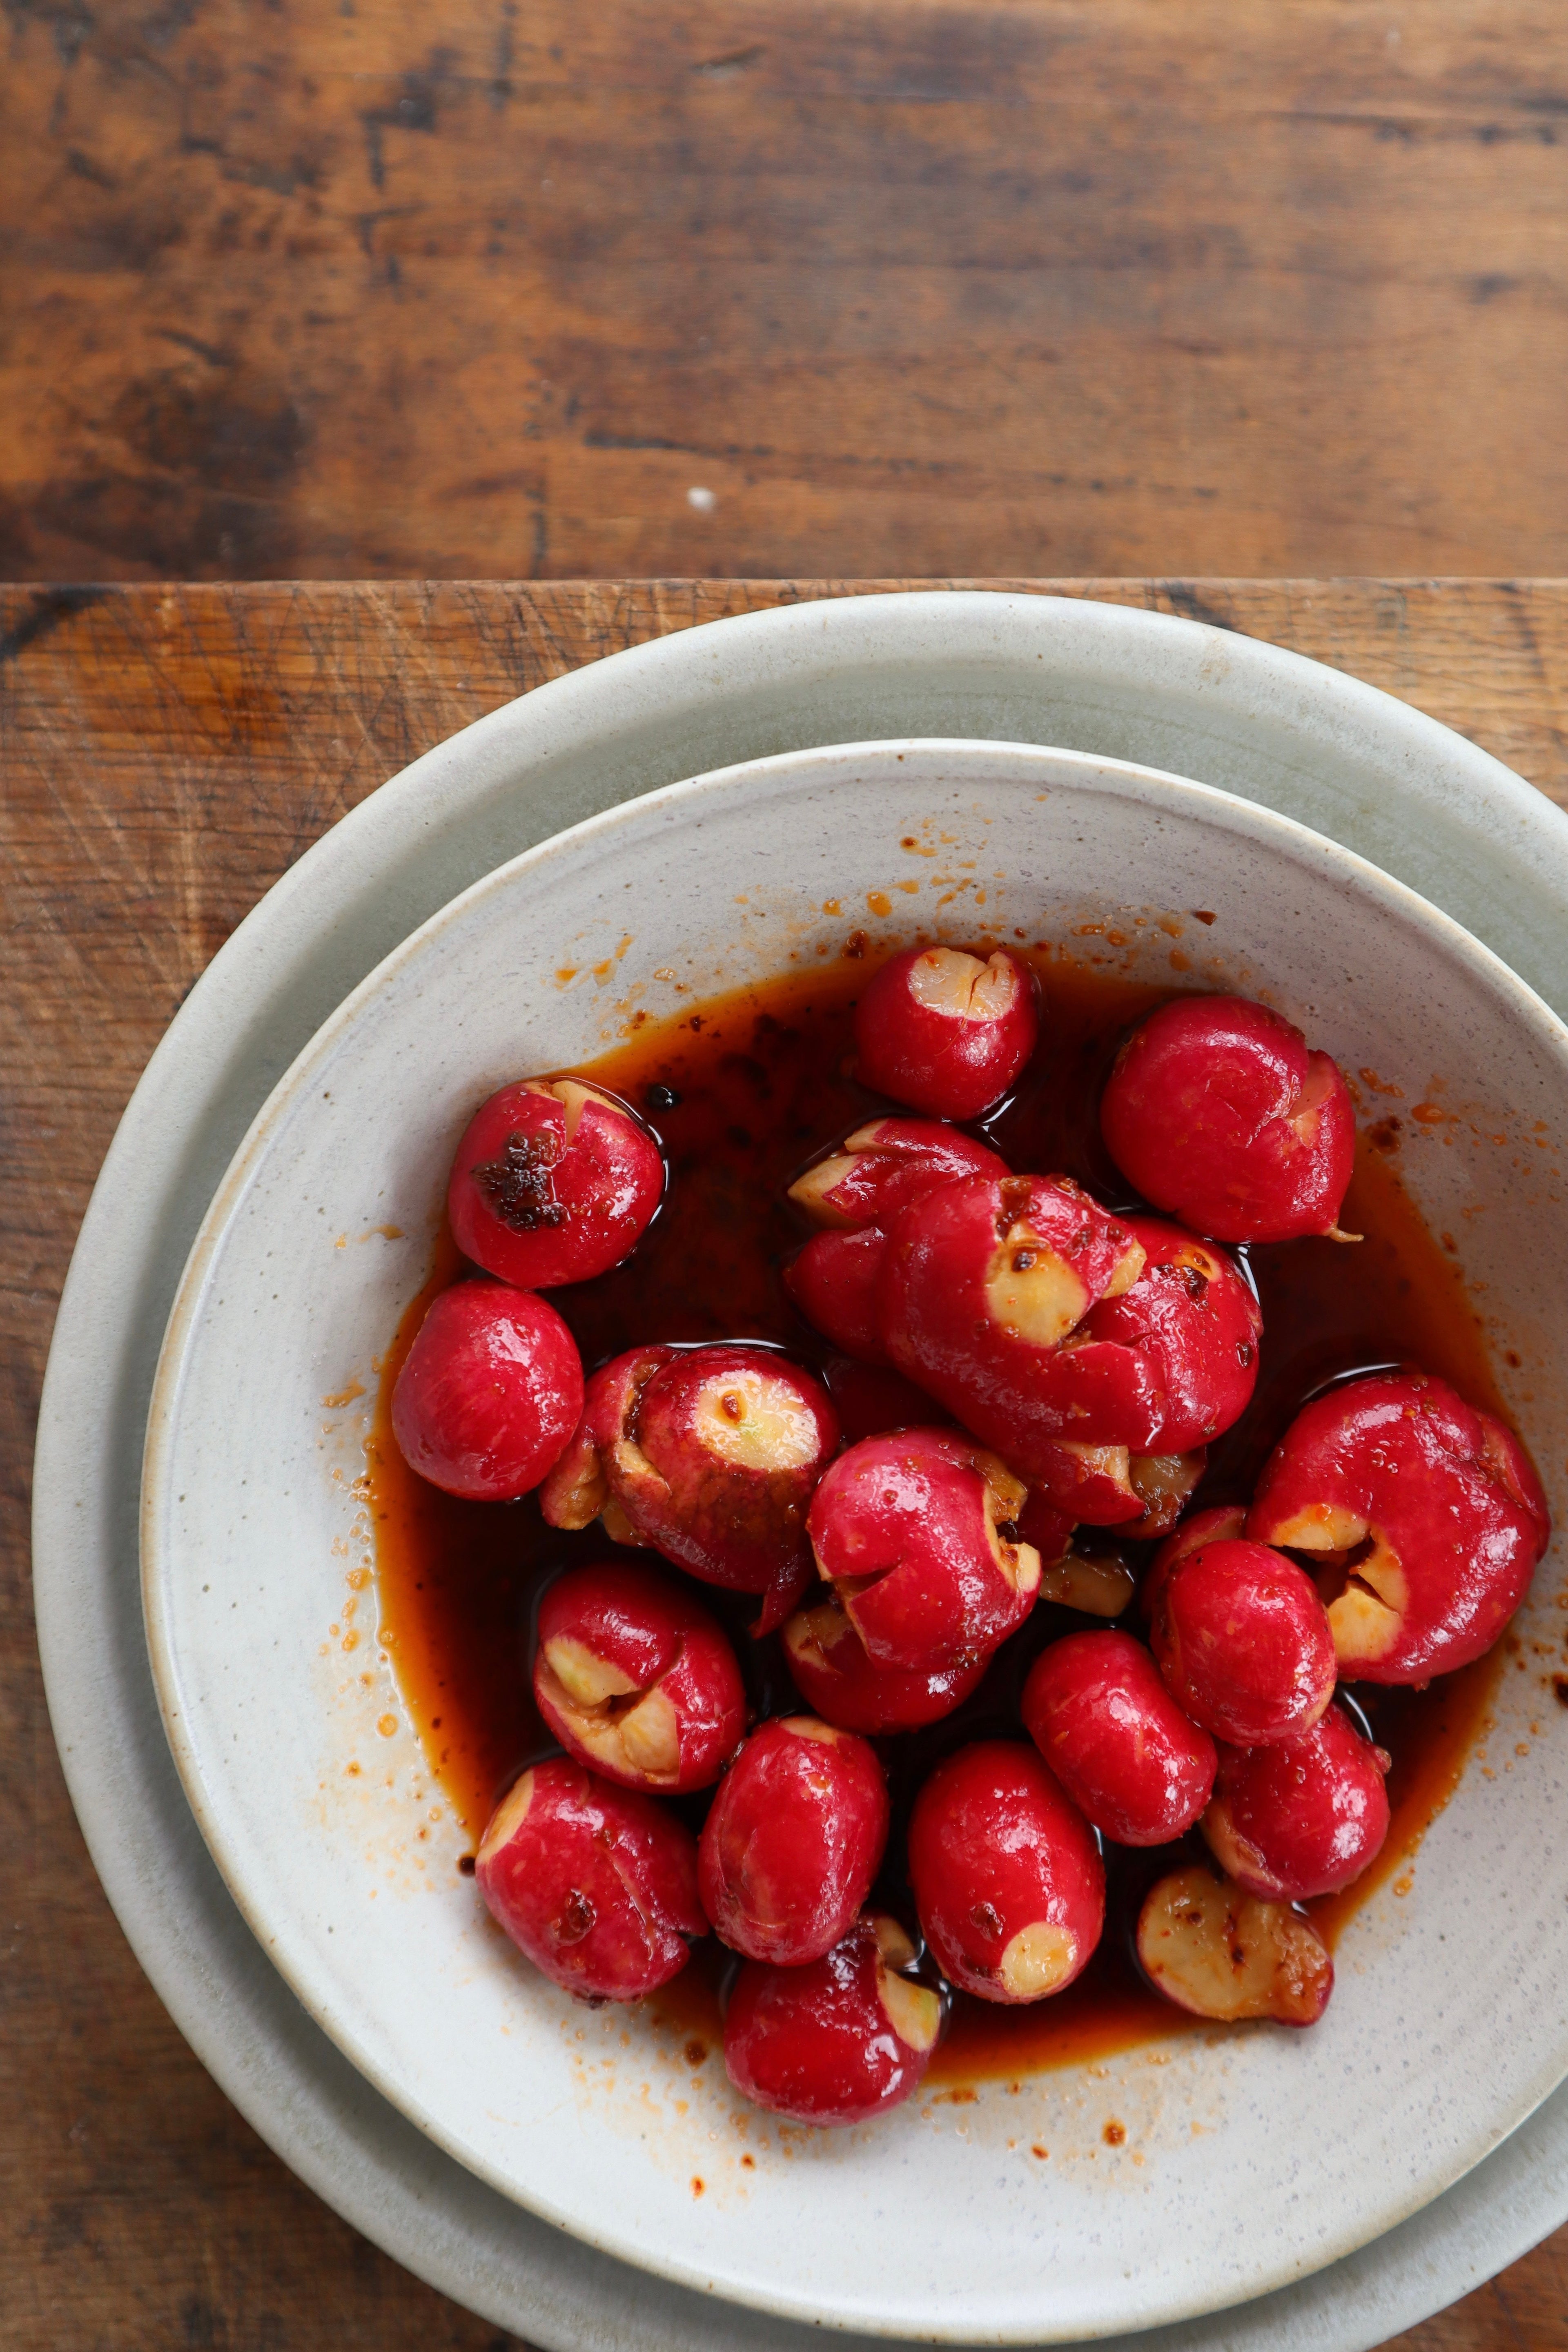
283,1709
1303,738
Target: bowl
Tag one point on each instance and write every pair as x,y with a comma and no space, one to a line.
315,1800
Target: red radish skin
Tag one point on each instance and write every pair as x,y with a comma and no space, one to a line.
1086,1486
840,2041
1041,1524
1302,1818
1426,1513
595,1885
1219,1113
710,1455
634,1677
876,1173
1132,1762
830,1668
1222,1523
1244,1644
1112,1487
946,1033
1161,1369
1170,1363
908,1529
1007,1879
982,1282
553,1182
834,1282
884,1167
793,1841
489,1394
577,1490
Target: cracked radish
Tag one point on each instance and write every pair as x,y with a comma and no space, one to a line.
830,1666
885,1166
853,1193
710,1455
1219,1113
914,1532
636,1679
946,1033
595,1885
982,1281
1213,1950
837,2042
1426,1513
1302,1818
554,1181
1145,1382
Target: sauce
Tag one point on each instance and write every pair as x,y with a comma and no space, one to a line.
742,1092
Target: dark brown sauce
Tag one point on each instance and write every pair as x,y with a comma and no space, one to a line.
741,1091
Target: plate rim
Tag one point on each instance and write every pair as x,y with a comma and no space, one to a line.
291,1950
200,1959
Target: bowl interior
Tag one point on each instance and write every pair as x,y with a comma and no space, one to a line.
279,1688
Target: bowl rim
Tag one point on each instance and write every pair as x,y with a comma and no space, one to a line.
1130,780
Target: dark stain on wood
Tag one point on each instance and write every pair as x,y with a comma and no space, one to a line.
1020,286
43,614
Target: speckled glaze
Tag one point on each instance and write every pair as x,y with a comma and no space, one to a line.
1288,733
283,1715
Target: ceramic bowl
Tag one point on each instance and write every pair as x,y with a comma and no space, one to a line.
1248,2161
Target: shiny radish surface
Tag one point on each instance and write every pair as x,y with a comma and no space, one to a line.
1217,1111
947,1031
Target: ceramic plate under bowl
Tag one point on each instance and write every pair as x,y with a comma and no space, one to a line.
1449,2025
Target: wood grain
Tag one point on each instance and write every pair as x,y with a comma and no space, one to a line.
901,286
166,754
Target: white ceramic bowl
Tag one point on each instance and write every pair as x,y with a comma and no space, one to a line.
1249,2160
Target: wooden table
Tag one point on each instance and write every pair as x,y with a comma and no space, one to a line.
165,753
1057,286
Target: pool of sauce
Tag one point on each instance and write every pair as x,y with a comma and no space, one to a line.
742,1090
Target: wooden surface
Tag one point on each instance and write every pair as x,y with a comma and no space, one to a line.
165,754
917,286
